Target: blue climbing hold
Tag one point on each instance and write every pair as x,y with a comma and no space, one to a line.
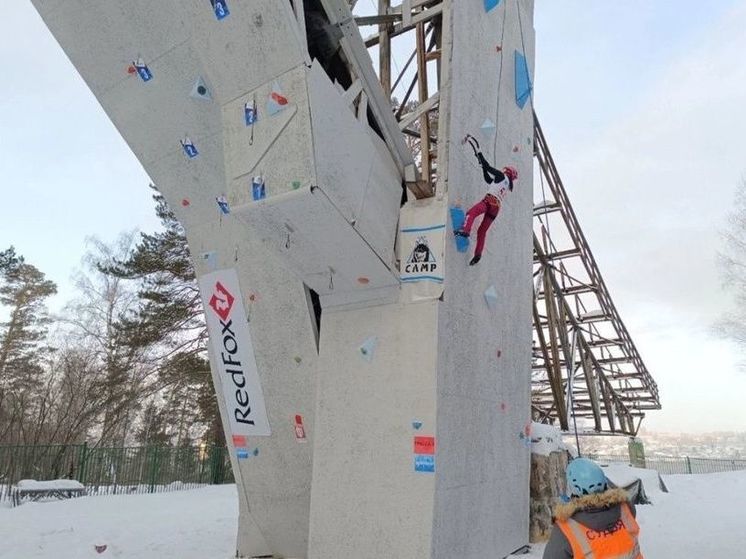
457,220
220,7
490,5
523,86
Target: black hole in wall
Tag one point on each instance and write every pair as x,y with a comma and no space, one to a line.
324,45
314,307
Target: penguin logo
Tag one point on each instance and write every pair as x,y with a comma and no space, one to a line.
422,258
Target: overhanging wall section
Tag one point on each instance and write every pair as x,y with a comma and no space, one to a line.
181,43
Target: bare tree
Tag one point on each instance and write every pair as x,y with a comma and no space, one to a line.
732,264
99,323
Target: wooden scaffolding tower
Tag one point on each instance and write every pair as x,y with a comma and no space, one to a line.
587,373
585,364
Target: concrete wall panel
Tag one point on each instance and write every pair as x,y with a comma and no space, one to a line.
318,244
358,178
484,358
256,44
152,117
367,501
278,147
103,38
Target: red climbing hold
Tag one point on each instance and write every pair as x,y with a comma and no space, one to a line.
363,281
279,99
498,48
100,548
499,353
185,202
131,69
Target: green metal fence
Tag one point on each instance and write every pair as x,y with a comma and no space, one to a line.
677,464
115,470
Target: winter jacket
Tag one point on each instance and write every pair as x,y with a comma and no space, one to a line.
600,512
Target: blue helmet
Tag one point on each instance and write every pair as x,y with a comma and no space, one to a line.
585,477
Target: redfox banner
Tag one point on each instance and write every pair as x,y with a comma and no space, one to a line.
234,354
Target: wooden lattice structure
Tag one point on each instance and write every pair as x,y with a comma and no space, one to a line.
585,364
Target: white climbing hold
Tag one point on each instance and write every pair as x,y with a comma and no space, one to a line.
368,348
200,90
488,127
490,297
211,259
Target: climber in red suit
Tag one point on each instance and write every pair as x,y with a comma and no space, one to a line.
500,184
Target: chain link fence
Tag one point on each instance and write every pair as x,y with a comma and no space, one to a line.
676,464
109,471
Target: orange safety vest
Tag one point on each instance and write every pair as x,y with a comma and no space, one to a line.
618,543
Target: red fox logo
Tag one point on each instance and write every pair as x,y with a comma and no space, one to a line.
221,301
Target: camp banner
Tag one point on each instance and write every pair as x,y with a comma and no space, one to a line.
421,244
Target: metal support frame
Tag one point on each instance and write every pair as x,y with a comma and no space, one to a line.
571,301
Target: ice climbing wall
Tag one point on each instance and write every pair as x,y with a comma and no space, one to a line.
399,430
420,447
168,75
216,99
484,326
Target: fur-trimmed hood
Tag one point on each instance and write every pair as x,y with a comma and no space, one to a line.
607,499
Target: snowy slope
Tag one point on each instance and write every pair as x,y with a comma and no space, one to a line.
703,517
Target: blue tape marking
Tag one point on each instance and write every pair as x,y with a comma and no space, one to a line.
424,463
420,229
420,278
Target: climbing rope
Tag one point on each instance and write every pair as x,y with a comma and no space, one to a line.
499,82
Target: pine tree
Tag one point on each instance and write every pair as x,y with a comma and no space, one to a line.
171,319
9,261
23,293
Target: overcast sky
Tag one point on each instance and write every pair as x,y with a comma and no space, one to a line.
642,103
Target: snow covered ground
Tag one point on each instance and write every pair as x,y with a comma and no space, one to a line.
703,516
194,524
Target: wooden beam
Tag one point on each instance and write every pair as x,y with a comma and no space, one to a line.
384,52
426,172
422,109
380,104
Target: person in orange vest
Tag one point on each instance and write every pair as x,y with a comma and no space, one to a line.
597,522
